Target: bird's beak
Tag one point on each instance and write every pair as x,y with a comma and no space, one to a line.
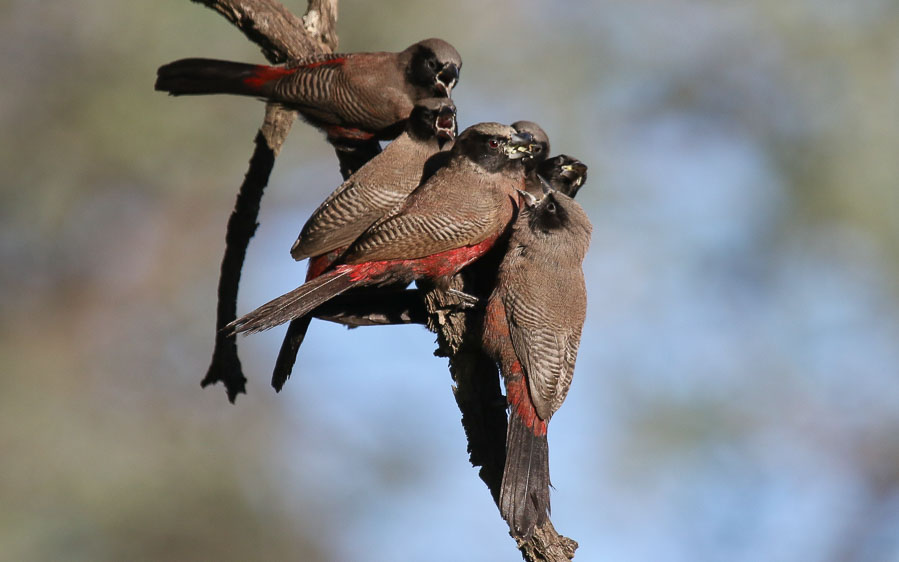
533,148
519,146
528,198
547,189
446,123
447,78
576,171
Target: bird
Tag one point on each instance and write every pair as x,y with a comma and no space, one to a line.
448,222
366,197
539,138
563,173
350,96
532,329
540,150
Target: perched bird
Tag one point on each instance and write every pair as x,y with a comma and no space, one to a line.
539,139
354,96
532,329
563,173
367,196
445,224
540,150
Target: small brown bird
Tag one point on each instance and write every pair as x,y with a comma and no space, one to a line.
367,196
352,97
563,173
538,137
540,150
445,224
532,328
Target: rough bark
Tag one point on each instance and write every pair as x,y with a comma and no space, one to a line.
281,36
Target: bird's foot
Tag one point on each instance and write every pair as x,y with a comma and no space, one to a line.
467,301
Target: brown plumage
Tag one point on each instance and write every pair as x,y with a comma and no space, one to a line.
445,224
378,188
532,329
382,184
353,97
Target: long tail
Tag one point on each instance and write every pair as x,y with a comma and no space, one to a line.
287,357
210,76
295,304
524,495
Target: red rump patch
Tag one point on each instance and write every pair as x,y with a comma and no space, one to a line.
442,264
320,264
263,74
336,131
519,398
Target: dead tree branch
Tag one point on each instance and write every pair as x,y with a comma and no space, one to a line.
282,36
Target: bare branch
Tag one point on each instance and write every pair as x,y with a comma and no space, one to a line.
282,36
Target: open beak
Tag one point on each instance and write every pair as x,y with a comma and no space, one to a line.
528,199
447,78
446,124
576,173
519,146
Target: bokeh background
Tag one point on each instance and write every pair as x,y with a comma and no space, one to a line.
737,391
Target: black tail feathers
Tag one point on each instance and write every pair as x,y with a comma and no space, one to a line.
209,76
287,357
524,496
295,304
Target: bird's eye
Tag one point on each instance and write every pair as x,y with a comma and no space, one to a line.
432,64
550,207
493,143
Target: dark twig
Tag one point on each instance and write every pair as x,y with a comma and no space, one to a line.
282,36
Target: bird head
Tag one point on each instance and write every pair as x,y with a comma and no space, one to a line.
556,218
433,67
539,140
433,117
493,146
564,173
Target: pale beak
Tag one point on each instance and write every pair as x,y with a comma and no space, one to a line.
529,200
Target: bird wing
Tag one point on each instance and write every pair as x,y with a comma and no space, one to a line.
447,212
311,80
370,195
347,90
545,343
343,216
